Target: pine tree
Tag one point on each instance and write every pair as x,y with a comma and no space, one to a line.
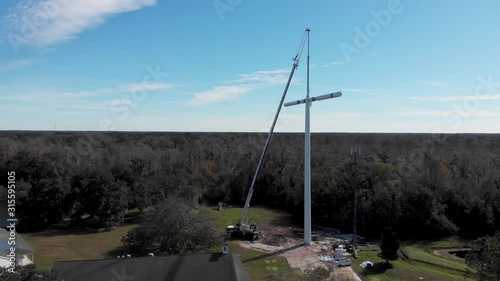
389,245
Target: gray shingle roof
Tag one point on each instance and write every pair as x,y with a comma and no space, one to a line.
209,267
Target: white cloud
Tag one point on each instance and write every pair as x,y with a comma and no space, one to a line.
90,93
375,92
420,113
15,65
148,86
492,96
50,22
329,64
343,115
219,93
484,114
264,76
115,102
87,99
437,83
443,113
328,115
247,83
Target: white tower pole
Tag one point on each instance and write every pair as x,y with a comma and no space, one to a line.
307,149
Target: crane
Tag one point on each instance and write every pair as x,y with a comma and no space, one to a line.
250,231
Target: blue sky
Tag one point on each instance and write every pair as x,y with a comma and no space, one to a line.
403,66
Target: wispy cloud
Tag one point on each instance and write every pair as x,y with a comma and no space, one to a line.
328,116
437,83
457,98
419,113
375,92
246,83
443,113
485,114
330,64
15,107
341,115
115,102
132,87
15,65
89,93
90,99
219,93
276,76
148,86
53,21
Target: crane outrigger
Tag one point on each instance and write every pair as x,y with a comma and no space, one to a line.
242,229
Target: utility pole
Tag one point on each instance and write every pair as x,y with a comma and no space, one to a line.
355,152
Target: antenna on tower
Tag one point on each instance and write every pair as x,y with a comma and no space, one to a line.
355,152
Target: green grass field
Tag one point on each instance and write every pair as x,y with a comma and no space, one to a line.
425,255
79,244
261,216
56,245
402,270
445,244
424,252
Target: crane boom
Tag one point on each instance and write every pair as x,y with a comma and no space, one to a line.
266,145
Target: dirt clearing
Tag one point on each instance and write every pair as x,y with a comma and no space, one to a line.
288,243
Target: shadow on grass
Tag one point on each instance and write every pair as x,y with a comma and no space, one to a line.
84,227
62,232
376,269
271,254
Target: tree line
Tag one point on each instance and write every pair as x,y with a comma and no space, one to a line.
424,186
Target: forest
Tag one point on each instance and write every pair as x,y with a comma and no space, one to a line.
424,186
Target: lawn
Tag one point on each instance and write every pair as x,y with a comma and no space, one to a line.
263,217
424,251
56,245
446,244
82,244
402,270
416,252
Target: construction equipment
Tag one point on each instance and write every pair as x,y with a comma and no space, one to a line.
242,229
